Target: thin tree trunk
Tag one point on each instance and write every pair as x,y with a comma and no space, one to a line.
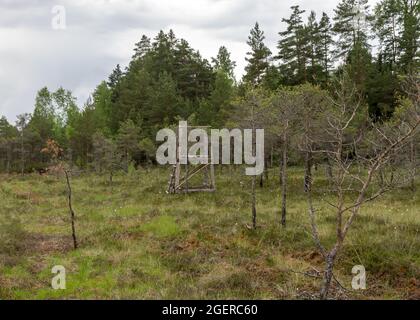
381,178
329,171
73,229
111,180
413,164
254,208
328,275
9,156
284,182
272,157
126,161
22,155
254,178
266,169
308,171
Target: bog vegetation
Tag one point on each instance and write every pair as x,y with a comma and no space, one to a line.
341,128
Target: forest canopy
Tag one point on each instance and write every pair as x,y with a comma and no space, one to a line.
167,80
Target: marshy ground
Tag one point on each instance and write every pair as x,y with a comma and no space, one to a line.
137,242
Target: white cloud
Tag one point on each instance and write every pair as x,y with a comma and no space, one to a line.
102,33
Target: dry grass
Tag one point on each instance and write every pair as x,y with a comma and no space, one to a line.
137,242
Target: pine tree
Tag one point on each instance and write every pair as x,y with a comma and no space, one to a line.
388,28
8,135
162,55
326,42
115,77
381,87
224,63
80,130
258,57
350,25
142,48
220,100
128,139
313,38
409,42
191,72
103,107
293,48
105,155
164,104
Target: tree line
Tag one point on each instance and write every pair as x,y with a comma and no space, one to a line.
167,80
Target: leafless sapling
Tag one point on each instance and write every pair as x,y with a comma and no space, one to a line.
357,149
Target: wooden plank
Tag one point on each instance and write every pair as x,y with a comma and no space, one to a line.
184,179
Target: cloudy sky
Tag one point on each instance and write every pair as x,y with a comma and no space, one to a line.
101,33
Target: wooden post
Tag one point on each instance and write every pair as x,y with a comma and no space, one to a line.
213,178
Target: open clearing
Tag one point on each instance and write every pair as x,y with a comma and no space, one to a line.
137,242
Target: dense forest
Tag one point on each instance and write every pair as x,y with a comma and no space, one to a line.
374,49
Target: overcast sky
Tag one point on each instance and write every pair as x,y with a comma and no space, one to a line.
101,33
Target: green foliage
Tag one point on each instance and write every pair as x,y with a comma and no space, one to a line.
168,80
257,58
293,48
351,26
105,154
224,63
127,141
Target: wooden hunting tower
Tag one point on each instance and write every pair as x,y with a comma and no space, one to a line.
186,177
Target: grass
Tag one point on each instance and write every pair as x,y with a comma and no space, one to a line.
137,242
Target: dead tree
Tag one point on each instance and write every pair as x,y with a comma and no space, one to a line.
53,150
357,149
72,214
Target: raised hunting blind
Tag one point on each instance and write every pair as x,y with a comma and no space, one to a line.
187,177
